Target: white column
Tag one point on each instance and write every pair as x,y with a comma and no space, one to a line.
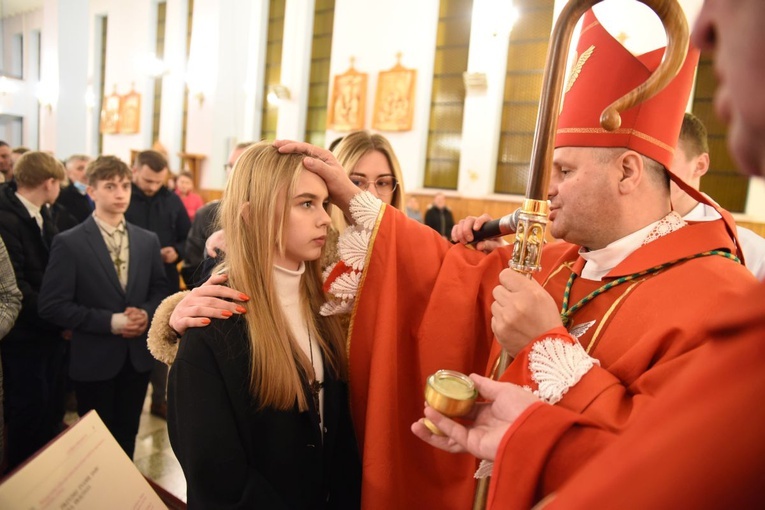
174,82
255,74
482,118
296,68
220,74
131,39
72,47
49,83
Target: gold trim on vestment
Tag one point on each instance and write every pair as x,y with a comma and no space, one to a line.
610,310
569,265
372,240
621,131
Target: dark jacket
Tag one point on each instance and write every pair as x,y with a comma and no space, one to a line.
194,269
440,220
165,215
77,204
235,456
81,291
29,253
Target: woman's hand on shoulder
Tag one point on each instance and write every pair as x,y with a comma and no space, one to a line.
213,300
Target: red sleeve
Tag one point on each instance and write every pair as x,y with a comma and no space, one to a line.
543,448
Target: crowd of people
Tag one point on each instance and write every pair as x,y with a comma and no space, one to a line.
319,308
92,246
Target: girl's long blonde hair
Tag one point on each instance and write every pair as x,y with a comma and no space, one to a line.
355,146
253,213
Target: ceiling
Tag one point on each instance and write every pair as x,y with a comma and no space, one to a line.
12,7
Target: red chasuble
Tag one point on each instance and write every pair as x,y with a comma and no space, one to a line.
424,305
642,332
700,444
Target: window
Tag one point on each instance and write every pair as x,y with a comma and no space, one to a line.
318,89
273,65
526,57
447,102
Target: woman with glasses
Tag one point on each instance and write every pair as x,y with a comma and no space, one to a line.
372,166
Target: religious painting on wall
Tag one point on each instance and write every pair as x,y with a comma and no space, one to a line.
130,113
394,100
110,113
349,97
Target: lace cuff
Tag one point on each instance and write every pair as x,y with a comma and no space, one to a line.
163,339
555,362
342,279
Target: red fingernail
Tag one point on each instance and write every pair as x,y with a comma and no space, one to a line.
244,297
205,321
241,309
226,313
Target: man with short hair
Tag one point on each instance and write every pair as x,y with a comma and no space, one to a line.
17,152
85,289
439,217
691,163
6,165
74,197
32,352
159,210
699,443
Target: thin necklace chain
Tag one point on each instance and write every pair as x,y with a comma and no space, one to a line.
566,312
315,385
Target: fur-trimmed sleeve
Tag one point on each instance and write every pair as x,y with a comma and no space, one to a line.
163,340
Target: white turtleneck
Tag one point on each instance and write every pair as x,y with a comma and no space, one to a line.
287,285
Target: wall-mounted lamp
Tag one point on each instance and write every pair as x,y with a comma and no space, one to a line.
47,94
196,86
90,98
151,65
496,18
278,93
7,86
474,81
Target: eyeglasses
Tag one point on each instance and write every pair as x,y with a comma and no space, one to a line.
383,185
227,167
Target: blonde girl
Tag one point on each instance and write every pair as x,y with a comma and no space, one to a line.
258,404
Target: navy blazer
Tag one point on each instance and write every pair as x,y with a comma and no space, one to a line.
81,292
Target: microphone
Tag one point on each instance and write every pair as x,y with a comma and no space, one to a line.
503,226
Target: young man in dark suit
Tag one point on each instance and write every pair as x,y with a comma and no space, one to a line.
33,350
104,280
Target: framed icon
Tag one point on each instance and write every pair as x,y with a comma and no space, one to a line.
130,113
394,100
110,113
349,98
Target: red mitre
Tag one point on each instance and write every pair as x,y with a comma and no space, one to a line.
603,72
